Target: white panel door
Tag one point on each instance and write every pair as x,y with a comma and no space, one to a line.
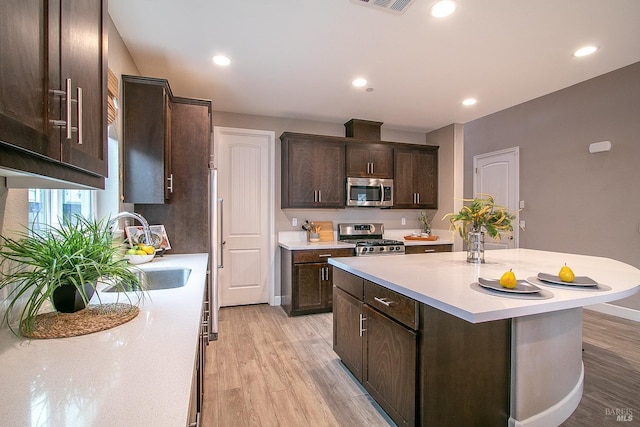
497,174
242,160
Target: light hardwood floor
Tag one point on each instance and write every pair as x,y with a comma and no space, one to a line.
267,369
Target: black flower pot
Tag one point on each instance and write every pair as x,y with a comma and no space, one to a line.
67,298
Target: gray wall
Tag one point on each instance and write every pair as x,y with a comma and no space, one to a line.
575,201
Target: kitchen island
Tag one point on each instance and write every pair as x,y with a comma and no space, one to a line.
139,373
472,343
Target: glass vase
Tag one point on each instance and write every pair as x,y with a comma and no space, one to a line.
475,247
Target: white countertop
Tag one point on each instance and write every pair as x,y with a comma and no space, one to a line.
297,240
442,280
136,374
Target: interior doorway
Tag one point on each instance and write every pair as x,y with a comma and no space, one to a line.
245,162
498,173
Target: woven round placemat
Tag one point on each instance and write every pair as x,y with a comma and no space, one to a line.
92,319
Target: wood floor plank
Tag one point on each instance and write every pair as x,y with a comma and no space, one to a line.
288,410
612,372
232,409
314,407
257,398
268,360
269,369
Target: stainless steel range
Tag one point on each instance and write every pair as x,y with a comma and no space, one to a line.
369,240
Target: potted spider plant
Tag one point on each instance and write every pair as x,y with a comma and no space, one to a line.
61,264
480,215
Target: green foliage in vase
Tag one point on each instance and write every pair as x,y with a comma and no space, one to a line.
481,213
426,224
77,252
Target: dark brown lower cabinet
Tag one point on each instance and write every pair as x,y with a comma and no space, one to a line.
347,330
465,370
423,366
375,347
390,366
307,279
314,286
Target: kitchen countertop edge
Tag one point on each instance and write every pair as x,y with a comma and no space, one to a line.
138,373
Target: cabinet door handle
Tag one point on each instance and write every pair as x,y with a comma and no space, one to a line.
170,186
319,195
362,320
418,197
322,278
68,106
372,166
79,98
383,301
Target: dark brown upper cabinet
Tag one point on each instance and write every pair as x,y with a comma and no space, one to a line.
369,160
53,89
415,177
146,140
313,171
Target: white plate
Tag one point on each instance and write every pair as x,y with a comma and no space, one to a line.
522,286
578,281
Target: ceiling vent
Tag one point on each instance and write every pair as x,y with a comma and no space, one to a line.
394,6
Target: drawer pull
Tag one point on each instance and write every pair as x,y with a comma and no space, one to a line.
362,320
429,250
324,255
383,301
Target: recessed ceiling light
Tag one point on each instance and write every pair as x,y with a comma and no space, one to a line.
585,51
221,60
443,8
359,82
469,101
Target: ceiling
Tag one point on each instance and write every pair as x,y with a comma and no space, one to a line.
297,58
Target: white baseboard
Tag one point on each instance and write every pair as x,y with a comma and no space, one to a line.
616,310
558,413
277,300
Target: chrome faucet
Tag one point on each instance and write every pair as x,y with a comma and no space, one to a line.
145,225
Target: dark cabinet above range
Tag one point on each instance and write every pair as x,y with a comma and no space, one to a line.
369,160
315,169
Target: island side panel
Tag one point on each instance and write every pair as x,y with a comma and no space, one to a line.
547,369
464,370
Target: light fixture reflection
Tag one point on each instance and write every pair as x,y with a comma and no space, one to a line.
221,60
585,51
443,8
359,82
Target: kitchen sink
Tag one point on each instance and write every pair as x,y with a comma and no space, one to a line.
157,279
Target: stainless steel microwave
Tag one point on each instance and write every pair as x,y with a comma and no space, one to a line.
370,192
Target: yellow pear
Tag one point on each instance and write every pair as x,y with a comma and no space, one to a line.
566,274
508,280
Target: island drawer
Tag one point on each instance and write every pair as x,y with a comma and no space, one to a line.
394,305
421,249
320,255
349,283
